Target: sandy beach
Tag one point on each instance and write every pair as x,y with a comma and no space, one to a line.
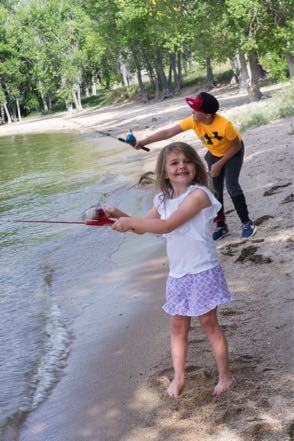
118,393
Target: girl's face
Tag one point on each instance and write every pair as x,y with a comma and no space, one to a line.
179,170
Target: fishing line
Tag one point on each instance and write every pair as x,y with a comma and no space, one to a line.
96,217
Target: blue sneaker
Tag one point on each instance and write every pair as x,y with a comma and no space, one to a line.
248,229
220,232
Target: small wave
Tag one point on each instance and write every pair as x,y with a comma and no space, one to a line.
56,350
44,374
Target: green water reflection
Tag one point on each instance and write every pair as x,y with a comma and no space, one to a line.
46,163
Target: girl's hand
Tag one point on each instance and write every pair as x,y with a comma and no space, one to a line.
123,224
114,212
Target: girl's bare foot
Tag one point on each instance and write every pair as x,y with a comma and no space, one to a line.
175,388
223,385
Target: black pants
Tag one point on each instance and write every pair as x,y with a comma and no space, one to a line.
229,174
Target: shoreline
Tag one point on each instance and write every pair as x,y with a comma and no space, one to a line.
118,119
257,324
102,375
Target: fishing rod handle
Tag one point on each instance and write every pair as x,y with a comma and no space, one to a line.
133,144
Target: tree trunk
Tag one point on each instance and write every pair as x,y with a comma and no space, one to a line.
143,91
41,91
261,70
94,84
179,63
243,77
154,81
173,68
150,72
14,118
235,78
78,92
253,89
69,107
241,70
169,78
290,62
161,75
87,92
45,106
7,113
67,94
2,115
18,110
75,99
210,78
125,74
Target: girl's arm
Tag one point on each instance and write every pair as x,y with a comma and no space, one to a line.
192,205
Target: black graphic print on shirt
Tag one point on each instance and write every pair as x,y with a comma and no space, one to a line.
208,140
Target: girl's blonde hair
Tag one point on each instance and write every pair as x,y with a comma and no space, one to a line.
190,153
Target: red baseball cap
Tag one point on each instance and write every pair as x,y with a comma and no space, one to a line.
204,102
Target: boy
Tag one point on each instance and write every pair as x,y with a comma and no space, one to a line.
224,157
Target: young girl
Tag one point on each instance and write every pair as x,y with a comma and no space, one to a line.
184,213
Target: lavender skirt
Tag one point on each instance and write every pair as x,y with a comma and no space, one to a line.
196,294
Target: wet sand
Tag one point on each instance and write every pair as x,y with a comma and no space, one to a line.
118,393
100,396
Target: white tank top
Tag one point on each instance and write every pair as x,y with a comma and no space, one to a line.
190,247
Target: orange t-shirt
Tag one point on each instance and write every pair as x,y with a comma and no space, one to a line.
216,137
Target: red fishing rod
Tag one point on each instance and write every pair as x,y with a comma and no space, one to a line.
97,217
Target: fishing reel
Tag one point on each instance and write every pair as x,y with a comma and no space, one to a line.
98,215
130,139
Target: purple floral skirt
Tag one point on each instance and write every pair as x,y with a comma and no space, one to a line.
196,294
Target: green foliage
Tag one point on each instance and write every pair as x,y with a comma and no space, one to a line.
31,104
275,65
48,47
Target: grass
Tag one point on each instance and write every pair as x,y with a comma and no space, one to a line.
120,95
279,105
197,77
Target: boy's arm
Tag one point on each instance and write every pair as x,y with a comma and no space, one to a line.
232,150
159,136
195,201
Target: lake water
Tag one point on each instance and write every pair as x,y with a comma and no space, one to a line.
45,269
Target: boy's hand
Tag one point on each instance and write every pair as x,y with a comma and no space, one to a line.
137,145
123,224
216,168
